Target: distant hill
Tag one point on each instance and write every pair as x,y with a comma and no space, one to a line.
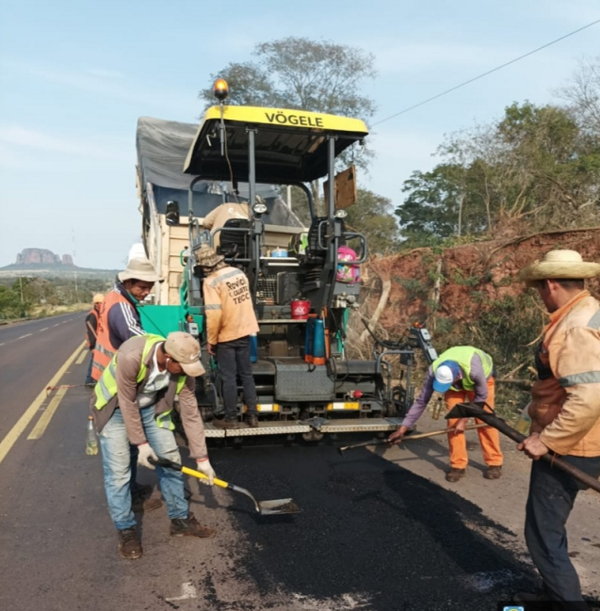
43,262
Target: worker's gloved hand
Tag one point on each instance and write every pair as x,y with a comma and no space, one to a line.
398,434
204,466
146,452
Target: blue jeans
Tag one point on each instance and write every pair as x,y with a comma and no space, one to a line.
552,493
116,456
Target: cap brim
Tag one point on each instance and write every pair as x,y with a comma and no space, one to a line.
194,369
439,387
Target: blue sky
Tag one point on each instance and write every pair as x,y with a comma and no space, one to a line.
75,76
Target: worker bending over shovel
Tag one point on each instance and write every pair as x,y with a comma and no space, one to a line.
132,403
463,374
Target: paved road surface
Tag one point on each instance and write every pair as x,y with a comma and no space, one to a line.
372,535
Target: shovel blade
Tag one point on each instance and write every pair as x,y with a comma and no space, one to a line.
278,506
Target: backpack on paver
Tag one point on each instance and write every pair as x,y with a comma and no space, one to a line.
347,271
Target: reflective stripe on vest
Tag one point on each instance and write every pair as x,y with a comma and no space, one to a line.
463,355
104,350
594,322
106,388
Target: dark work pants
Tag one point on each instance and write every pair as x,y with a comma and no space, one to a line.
88,377
552,493
234,361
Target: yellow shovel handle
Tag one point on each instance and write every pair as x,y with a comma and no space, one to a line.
199,475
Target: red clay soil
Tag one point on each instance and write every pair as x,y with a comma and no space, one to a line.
470,275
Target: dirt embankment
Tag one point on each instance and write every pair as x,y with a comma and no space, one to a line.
460,282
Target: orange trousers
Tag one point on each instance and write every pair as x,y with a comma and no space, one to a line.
489,437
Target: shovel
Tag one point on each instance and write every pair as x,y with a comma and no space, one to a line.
476,410
264,508
380,442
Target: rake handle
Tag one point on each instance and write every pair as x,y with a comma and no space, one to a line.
507,430
470,427
379,442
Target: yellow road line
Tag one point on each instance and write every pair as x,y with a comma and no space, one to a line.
81,357
7,443
44,421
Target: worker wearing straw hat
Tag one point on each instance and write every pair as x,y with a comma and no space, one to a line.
565,415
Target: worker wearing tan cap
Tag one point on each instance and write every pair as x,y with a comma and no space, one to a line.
132,404
565,417
91,328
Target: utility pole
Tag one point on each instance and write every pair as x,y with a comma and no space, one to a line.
460,207
74,271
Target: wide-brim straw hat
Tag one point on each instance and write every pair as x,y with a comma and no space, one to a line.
560,265
98,298
206,256
139,269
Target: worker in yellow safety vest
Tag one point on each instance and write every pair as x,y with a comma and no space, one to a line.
132,404
462,374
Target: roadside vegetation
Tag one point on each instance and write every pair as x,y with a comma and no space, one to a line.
32,297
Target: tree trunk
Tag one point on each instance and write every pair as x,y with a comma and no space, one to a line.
386,287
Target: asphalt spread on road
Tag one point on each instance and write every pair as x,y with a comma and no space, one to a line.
387,538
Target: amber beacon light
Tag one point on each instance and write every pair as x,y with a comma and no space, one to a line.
220,89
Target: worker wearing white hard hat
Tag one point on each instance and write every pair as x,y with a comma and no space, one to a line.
462,374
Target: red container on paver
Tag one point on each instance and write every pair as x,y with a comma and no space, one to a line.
300,309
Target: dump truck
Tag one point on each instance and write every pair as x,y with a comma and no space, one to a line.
302,283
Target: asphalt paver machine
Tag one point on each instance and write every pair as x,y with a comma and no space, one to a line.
302,285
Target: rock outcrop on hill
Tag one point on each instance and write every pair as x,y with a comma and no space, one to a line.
43,263
42,256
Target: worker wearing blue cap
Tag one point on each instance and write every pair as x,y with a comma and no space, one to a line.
462,374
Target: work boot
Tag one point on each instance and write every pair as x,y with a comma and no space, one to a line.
129,544
252,421
455,474
225,423
493,472
190,527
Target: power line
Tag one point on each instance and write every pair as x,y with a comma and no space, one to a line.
512,61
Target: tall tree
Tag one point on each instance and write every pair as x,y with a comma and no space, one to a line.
534,169
432,209
582,94
301,73
295,72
